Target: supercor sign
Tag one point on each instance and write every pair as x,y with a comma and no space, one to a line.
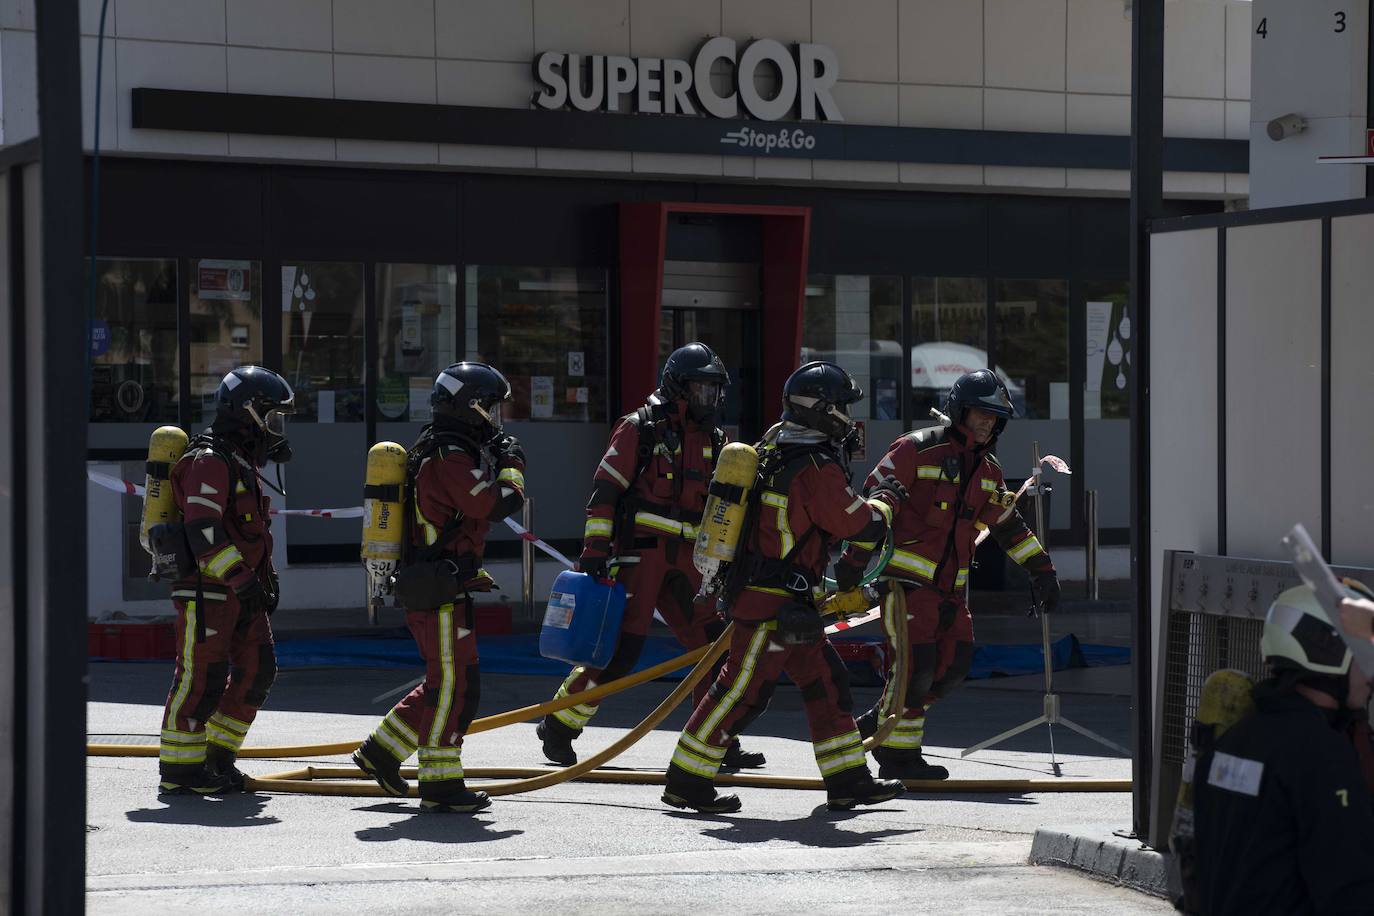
803,74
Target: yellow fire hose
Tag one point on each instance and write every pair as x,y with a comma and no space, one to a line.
510,717
324,781
895,700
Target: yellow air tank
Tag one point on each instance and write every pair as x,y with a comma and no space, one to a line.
722,523
383,512
165,448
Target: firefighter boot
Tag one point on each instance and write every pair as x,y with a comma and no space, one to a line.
737,758
199,782
456,798
687,791
377,762
220,761
868,723
906,764
858,787
558,739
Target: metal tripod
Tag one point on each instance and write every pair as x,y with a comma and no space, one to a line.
1051,715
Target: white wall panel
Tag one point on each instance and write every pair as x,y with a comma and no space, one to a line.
1099,47
167,65
384,79
404,27
1204,118
171,20
780,20
941,41
1183,344
1239,25
869,103
862,33
959,107
1099,114
670,28
485,29
1352,383
305,25
1023,43
585,27
1007,109
271,72
1273,384
1194,49
19,84
487,83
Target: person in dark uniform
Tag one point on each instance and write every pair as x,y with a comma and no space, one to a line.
1284,822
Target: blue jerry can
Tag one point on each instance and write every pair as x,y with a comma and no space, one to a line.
582,621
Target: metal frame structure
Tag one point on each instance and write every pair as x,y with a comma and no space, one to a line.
44,690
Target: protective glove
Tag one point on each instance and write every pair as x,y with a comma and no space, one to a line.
509,450
893,488
946,619
1044,593
273,590
847,576
252,596
595,566
849,602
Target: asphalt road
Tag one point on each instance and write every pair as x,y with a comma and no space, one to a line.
592,848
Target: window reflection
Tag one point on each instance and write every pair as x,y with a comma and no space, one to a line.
949,337
1110,342
226,325
322,339
416,314
1032,335
133,335
855,320
545,328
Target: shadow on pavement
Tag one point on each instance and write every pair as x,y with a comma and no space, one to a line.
430,828
242,810
819,829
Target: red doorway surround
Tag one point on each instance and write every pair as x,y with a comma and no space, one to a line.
782,276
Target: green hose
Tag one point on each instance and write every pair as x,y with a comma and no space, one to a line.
870,576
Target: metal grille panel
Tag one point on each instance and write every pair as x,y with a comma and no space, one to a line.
1199,644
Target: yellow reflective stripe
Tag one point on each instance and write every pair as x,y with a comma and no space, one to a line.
398,726
597,527
980,526
240,488
989,485
188,660
746,674
865,545
908,734
912,562
179,747
777,500
512,475
840,741
431,533
387,739
449,676
439,763
701,748
1025,550
704,767
708,452
961,578
930,472
768,591
615,475
883,509
894,628
221,562
575,717
667,525
479,487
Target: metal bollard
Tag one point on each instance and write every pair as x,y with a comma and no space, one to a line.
1090,549
527,562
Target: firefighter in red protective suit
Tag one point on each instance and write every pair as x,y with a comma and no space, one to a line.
801,502
462,474
226,586
648,494
944,486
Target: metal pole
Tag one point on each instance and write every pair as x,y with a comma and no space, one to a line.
527,563
1041,534
1090,551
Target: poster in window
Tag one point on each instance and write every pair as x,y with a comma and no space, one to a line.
224,280
541,397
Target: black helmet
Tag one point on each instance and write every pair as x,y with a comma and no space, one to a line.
695,362
984,390
817,395
470,394
254,403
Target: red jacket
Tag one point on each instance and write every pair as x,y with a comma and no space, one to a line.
956,490
482,489
804,506
667,497
225,514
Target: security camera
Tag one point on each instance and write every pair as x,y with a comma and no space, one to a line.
1290,125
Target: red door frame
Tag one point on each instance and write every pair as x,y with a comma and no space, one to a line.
782,276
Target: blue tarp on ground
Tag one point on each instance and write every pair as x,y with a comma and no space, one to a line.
520,655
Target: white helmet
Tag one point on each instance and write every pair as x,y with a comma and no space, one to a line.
1298,633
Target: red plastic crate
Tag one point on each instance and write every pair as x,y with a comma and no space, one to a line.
130,641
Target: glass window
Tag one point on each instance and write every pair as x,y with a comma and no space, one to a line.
856,322
1032,346
545,328
134,368
1107,317
416,315
322,339
226,325
949,331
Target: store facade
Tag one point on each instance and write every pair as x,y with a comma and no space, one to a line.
570,190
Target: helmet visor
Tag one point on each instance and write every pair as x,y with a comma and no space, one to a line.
275,422
703,394
491,411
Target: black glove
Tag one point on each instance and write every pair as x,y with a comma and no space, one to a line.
509,446
894,486
273,591
947,611
596,567
799,624
1044,593
847,576
253,597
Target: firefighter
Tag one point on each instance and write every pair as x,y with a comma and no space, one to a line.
801,503
463,473
944,487
648,494
1283,822
227,587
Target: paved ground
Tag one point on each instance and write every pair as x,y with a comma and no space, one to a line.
604,848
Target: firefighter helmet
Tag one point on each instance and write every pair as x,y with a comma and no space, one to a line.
696,375
471,395
253,403
984,390
1299,634
817,396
